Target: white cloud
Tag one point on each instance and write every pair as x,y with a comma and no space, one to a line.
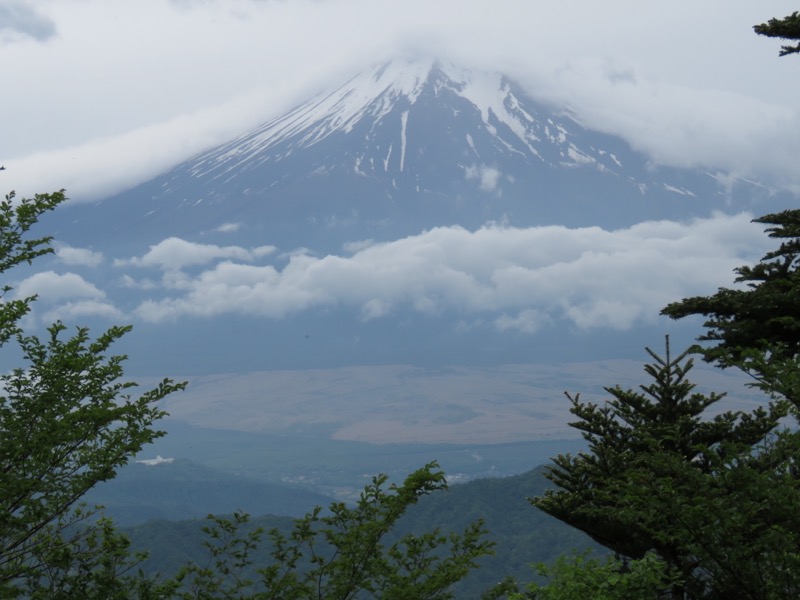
352,247
520,279
229,228
137,284
53,287
175,253
676,125
64,297
78,256
375,308
489,176
262,251
526,321
82,309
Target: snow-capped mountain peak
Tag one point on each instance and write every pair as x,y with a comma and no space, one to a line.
394,89
408,145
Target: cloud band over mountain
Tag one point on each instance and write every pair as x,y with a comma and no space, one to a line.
518,279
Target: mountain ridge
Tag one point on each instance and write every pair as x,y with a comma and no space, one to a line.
402,148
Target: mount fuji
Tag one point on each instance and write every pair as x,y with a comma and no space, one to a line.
407,146
420,212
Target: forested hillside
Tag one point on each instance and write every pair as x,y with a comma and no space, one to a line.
523,534
187,490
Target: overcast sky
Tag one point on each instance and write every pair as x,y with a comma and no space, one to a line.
101,94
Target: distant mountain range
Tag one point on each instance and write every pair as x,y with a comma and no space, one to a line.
524,535
187,490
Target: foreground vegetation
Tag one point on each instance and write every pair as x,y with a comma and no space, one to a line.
69,422
521,534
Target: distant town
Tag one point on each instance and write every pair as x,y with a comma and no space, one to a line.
158,460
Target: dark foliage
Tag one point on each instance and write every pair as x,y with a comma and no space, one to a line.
787,28
764,314
661,475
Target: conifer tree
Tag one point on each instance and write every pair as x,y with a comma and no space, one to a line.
757,327
717,500
342,555
787,28
655,476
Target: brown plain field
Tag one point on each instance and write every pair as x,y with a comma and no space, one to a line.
405,404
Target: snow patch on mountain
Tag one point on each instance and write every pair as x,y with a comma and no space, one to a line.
404,123
390,89
678,190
